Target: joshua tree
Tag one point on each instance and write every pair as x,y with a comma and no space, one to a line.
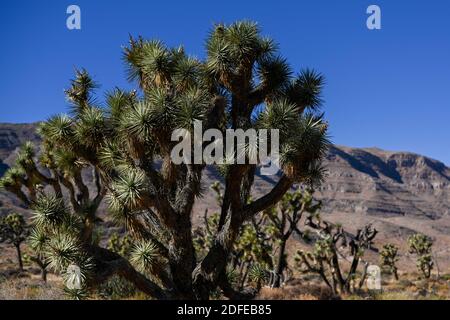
324,259
389,258
283,222
14,230
421,246
125,151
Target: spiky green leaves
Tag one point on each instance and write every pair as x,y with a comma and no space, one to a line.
120,245
38,240
82,133
130,187
243,38
274,73
155,65
76,294
280,115
64,252
118,102
80,91
58,129
27,150
237,44
13,178
305,91
63,249
219,63
160,106
304,149
111,156
49,211
156,62
258,274
67,161
25,155
420,244
187,73
232,51
303,139
191,106
139,122
152,120
128,192
144,255
91,128
55,237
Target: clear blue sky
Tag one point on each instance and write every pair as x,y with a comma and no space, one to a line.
387,88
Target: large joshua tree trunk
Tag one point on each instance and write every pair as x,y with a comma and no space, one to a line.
182,260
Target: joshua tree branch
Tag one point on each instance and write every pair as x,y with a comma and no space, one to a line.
269,199
73,199
110,263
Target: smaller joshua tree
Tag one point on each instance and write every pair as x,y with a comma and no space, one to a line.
14,230
283,221
324,259
420,245
389,258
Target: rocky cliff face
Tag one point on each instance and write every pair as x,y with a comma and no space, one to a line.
377,182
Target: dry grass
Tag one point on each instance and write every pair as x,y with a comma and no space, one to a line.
29,289
28,286
295,290
407,288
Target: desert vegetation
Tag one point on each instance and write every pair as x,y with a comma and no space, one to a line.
13,230
112,163
121,144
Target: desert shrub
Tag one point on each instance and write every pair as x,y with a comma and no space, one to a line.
116,288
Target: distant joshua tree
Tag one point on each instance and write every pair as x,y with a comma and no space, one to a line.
389,258
284,219
421,245
124,150
14,230
327,253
